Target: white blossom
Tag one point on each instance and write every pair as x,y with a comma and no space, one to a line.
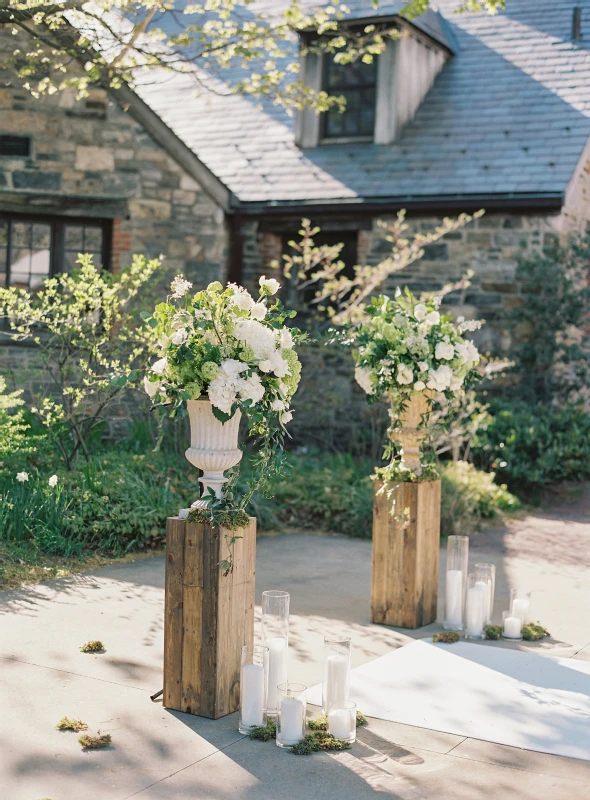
422,366
404,374
467,351
285,339
440,378
432,318
241,298
258,311
160,366
52,481
180,336
180,286
363,377
251,388
269,285
286,416
420,311
277,405
22,476
151,387
444,350
419,386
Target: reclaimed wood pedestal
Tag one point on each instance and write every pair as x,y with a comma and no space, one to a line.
406,543
208,617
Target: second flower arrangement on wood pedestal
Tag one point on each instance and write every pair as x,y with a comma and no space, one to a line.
416,358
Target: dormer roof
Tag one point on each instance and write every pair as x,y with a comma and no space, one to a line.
508,116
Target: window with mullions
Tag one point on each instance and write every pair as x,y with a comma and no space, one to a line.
357,82
32,249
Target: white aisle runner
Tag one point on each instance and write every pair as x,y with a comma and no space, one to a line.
492,693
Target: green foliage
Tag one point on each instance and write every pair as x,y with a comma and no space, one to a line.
533,631
470,496
548,326
321,723
493,631
319,740
446,637
13,427
531,445
86,341
263,733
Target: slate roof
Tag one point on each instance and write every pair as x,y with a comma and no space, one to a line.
508,115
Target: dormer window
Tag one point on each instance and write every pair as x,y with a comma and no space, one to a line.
357,82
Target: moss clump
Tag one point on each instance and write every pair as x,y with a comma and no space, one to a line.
264,732
533,631
360,719
67,724
230,518
493,631
446,637
319,740
94,646
95,742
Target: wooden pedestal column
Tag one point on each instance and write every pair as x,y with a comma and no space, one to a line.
405,554
208,617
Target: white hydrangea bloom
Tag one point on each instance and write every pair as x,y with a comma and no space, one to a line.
224,387
440,378
251,388
404,374
420,311
444,350
363,378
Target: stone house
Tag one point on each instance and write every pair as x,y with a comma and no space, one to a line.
463,111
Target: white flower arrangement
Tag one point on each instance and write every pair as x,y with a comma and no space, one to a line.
408,346
223,345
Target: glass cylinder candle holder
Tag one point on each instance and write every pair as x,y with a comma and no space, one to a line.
490,571
291,716
275,636
253,682
476,604
520,605
511,626
456,581
336,672
342,721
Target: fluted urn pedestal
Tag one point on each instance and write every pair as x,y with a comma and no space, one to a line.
406,537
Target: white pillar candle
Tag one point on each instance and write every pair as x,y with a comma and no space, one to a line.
277,670
252,695
520,608
336,681
486,587
340,723
454,598
512,628
475,610
292,722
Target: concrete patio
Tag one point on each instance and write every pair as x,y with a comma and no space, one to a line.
161,755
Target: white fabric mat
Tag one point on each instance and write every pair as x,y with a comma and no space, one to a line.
491,693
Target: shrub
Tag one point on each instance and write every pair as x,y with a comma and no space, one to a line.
530,445
13,426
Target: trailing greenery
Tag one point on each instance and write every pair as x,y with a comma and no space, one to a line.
531,445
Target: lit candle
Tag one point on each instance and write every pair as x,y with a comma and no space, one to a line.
292,720
340,723
454,598
336,681
512,628
277,670
475,610
520,608
252,694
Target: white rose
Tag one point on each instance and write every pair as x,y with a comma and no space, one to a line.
265,366
233,367
433,318
404,374
444,350
420,311
456,383
258,311
277,405
286,416
280,367
151,387
269,285
422,366
419,386
363,377
243,300
180,336
159,367
440,378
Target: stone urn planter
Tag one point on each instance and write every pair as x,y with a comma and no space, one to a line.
214,447
406,535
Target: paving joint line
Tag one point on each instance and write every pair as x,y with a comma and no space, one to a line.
182,769
520,769
77,674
